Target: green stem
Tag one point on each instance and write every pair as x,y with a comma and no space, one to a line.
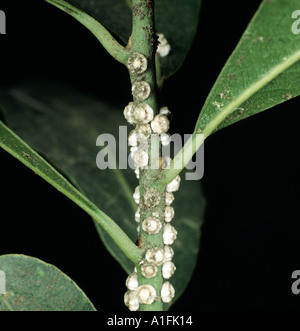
182,158
143,40
116,50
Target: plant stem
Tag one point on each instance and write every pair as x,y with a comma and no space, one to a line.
182,158
116,50
143,41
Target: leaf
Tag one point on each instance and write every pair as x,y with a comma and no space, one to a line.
64,125
176,19
38,131
33,285
263,70
19,149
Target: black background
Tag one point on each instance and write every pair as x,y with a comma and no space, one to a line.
250,240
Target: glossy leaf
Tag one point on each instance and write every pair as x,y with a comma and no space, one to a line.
64,125
33,285
263,70
176,19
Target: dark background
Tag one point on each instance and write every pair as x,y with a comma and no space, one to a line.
250,239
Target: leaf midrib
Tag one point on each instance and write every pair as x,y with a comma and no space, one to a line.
194,144
251,90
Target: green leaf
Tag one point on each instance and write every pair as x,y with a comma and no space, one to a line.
176,19
263,70
64,125
19,149
33,285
